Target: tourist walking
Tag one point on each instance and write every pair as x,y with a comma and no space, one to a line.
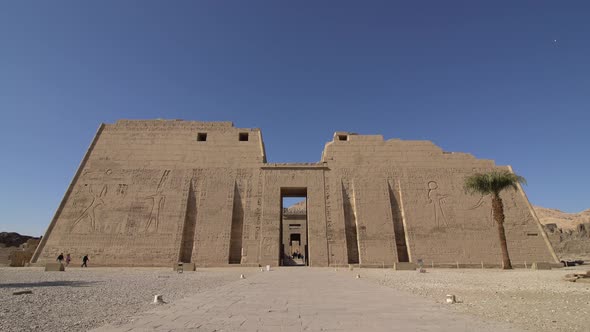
85,260
68,259
60,258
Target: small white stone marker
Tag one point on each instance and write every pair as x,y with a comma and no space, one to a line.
268,267
242,276
261,270
451,299
158,299
358,276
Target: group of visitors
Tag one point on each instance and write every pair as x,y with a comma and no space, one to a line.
68,259
297,254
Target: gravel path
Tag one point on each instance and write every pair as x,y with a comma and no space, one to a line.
531,300
81,299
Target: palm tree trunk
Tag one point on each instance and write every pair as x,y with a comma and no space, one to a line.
498,210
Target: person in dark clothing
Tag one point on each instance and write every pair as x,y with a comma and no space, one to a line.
85,260
60,258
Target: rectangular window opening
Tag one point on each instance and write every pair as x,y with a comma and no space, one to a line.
532,234
243,137
202,137
343,137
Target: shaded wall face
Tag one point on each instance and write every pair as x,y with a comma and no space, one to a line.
361,224
227,216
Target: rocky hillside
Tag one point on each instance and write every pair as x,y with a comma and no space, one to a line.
16,249
569,233
11,239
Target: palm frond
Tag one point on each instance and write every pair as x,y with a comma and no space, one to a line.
492,183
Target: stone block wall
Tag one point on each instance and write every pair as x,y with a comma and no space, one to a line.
152,193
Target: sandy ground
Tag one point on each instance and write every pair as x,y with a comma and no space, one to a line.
528,299
81,299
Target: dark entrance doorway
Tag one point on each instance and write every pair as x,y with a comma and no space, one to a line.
294,245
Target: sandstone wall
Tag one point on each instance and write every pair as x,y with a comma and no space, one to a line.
128,202
427,204
150,193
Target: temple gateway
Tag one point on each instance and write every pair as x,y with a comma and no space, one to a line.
157,192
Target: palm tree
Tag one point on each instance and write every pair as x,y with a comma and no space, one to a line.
493,183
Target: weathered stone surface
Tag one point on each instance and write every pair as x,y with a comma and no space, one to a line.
152,193
186,267
575,277
541,266
54,267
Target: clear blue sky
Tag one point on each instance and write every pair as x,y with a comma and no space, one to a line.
503,80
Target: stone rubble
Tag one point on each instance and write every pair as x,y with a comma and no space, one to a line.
578,277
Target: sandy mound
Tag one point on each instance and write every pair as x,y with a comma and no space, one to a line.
563,220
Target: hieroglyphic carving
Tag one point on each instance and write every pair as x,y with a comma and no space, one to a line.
483,203
122,190
267,249
329,222
258,209
158,201
89,212
438,201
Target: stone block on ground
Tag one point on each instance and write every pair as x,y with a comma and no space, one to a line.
541,266
405,266
54,267
186,267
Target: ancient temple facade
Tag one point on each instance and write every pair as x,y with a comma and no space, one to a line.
157,192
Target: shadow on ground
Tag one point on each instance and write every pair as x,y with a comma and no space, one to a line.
74,283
